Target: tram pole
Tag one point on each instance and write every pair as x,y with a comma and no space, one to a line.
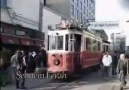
41,5
39,68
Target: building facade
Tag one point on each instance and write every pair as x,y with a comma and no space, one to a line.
127,49
79,10
25,13
118,42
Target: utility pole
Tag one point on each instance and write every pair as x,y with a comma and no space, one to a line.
113,42
41,5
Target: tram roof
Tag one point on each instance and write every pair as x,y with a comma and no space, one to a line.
73,31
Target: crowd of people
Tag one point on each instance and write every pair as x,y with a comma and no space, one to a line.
115,64
22,62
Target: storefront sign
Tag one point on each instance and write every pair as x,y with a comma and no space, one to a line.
21,33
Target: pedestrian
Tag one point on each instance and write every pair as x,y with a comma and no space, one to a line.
122,70
14,64
107,61
29,64
101,64
114,64
44,53
21,68
33,61
42,58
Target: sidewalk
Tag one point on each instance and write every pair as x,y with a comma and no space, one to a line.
30,83
97,83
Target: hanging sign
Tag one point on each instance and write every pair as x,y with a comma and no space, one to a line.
103,25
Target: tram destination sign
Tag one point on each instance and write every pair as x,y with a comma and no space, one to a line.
103,25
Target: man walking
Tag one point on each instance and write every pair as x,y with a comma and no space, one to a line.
122,69
107,61
14,64
21,69
19,65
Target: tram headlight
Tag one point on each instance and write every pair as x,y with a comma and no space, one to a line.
56,62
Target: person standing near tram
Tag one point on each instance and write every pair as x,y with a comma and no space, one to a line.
107,61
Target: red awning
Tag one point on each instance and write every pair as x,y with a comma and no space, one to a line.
39,43
7,39
26,42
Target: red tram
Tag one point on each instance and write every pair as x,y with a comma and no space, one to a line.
72,50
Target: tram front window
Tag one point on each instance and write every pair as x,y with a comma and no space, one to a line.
60,42
53,42
56,42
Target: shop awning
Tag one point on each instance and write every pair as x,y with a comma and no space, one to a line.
39,43
26,41
8,39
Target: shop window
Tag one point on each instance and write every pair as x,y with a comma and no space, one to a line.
9,30
1,29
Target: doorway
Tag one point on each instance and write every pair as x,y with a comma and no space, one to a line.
77,52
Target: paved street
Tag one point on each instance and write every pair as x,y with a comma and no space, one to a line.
91,81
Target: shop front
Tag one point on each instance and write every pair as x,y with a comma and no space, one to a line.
14,37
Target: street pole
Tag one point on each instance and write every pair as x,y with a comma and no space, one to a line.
41,5
113,42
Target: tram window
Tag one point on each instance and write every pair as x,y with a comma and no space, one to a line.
48,42
66,42
107,48
71,42
60,42
94,45
103,48
88,44
53,42
99,48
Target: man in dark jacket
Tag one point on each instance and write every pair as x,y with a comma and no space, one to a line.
114,64
41,58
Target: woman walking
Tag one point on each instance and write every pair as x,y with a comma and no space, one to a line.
122,70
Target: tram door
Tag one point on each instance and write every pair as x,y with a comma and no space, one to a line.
77,50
